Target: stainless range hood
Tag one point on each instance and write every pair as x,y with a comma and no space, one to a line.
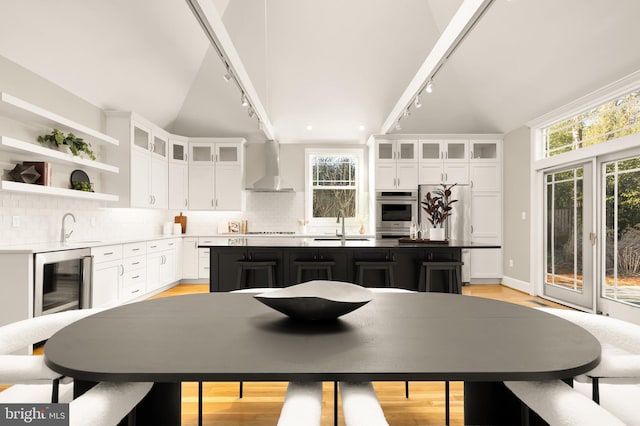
271,182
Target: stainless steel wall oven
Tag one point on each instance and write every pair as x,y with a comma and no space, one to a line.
62,281
394,212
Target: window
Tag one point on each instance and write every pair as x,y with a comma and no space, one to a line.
334,181
622,223
608,121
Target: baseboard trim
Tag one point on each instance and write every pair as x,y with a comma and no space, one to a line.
519,285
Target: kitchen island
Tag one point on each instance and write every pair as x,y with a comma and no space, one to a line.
227,254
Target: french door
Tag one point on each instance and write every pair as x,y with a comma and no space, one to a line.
569,239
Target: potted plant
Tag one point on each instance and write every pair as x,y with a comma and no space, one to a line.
76,145
438,208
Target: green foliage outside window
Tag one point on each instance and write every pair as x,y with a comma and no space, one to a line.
612,120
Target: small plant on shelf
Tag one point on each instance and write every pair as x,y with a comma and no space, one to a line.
438,205
76,145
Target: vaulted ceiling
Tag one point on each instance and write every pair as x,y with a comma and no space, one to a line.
331,64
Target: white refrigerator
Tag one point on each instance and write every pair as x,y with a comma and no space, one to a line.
458,225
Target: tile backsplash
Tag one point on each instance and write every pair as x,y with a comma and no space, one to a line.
40,217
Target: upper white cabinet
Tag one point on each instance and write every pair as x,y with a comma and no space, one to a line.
178,173
443,161
22,123
485,166
216,173
396,164
144,156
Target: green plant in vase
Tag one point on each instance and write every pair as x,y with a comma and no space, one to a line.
438,206
76,145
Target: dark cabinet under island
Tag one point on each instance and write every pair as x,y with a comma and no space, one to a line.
237,263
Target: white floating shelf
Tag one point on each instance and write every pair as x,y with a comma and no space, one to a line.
52,190
20,110
15,145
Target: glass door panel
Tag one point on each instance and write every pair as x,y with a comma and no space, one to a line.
621,259
568,246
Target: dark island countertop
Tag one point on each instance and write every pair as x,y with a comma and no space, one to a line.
335,242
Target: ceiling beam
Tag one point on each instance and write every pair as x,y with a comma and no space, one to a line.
461,23
213,27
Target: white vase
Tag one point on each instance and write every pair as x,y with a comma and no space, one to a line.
436,234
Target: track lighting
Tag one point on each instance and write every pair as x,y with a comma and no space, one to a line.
251,112
406,113
398,127
227,77
416,102
244,100
429,87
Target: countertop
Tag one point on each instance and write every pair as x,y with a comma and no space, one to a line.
229,240
319,242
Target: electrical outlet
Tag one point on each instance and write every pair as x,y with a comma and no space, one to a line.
510,263
15,221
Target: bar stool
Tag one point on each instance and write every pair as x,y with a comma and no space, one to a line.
324,266
385,266
244,266
454,282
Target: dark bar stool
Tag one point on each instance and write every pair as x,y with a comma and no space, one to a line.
324,266
244,266
385,266
454,282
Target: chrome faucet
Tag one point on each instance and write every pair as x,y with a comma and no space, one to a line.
64,236
341,215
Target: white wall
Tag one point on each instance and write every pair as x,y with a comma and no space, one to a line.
516,190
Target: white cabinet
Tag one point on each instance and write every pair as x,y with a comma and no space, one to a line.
396,164
486,207
443,161
215,174
143,157
485,166
161,263
178,173
106,277
134,277
190,258
203,258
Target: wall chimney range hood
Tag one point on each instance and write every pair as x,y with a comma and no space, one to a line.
271,182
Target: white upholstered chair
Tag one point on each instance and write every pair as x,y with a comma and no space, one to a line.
360,405
106,403
31,377
615,382
302,404
620,341
559,404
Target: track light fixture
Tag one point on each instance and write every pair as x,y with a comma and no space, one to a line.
398,127
227,77
416,102
251,112
429,87
244,100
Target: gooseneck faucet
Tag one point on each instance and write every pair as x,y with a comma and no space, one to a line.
341,215
64,236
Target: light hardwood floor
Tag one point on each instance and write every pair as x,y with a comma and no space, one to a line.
262,402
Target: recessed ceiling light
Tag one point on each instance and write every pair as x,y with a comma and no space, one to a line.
361,127
309,127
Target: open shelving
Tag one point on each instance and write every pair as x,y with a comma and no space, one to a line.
52,190
15,145
23,111
33,115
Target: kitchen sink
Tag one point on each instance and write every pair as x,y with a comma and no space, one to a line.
339,239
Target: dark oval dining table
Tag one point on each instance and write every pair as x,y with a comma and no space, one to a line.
395,337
